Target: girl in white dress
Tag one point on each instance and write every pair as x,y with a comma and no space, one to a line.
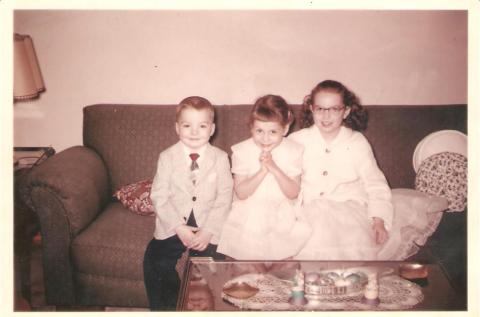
263,224
345,196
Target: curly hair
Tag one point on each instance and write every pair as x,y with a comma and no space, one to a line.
356,119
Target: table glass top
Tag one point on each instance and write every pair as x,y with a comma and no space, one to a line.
315,286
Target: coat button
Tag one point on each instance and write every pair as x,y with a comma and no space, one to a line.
321,194
194,198
327,151
325,173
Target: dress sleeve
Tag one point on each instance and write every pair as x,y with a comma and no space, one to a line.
294,163
376,186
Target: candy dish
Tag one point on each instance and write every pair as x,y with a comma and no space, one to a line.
336,282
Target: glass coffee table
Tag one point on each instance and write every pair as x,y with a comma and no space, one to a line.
212,285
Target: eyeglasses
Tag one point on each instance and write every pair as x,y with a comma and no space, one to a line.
321,110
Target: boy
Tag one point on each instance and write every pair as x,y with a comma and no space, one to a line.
192,194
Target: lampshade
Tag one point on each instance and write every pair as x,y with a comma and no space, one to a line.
27,79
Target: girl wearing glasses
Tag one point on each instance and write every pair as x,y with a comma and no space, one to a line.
345,196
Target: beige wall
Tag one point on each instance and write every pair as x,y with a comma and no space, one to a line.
87,57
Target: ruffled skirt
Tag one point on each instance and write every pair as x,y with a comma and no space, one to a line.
262,230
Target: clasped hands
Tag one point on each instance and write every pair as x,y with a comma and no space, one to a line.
267,162
193,237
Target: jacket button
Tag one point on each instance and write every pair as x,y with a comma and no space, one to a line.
194,198
321,194
325,173
327,151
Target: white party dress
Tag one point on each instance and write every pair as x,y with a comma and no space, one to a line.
264,226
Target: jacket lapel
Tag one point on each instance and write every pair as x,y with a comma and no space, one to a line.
207,163
180,166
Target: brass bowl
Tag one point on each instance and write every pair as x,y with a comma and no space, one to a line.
240,290
413,271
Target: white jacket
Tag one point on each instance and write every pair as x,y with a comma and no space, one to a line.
174,196
344,170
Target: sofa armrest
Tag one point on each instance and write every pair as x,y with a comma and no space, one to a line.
67,192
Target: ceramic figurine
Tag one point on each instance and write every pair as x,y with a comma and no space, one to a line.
371,290
297,296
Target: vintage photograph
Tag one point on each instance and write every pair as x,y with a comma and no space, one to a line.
241,159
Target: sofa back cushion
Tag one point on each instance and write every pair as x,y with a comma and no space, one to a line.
395,131
129,138
232,124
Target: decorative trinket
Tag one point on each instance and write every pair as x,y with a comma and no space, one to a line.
297,296
370,296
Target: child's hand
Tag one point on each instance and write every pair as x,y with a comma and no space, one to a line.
263,159
186,234
381,234
201,240
267,161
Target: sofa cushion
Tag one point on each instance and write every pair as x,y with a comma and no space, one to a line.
445,174
416,217
136,197
394,132
114,244
418,214
406,198
129,138
96,290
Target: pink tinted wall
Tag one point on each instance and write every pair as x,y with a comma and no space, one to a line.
233,57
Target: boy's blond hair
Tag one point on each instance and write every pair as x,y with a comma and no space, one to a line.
197,103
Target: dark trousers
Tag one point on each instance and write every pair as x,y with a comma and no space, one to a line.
161,279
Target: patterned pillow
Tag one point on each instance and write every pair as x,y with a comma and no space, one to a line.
445,175
136,197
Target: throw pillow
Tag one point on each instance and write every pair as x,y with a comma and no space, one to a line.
136,197
445,175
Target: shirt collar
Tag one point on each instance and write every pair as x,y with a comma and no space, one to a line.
188,151
342,135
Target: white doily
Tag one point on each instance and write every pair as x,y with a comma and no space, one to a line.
395,293
273,293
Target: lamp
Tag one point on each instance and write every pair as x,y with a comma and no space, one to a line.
27,79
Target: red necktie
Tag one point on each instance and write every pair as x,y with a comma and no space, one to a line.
194,157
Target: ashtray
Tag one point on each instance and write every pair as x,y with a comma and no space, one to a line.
240,290
411,271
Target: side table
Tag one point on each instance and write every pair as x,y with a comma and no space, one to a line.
26,224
